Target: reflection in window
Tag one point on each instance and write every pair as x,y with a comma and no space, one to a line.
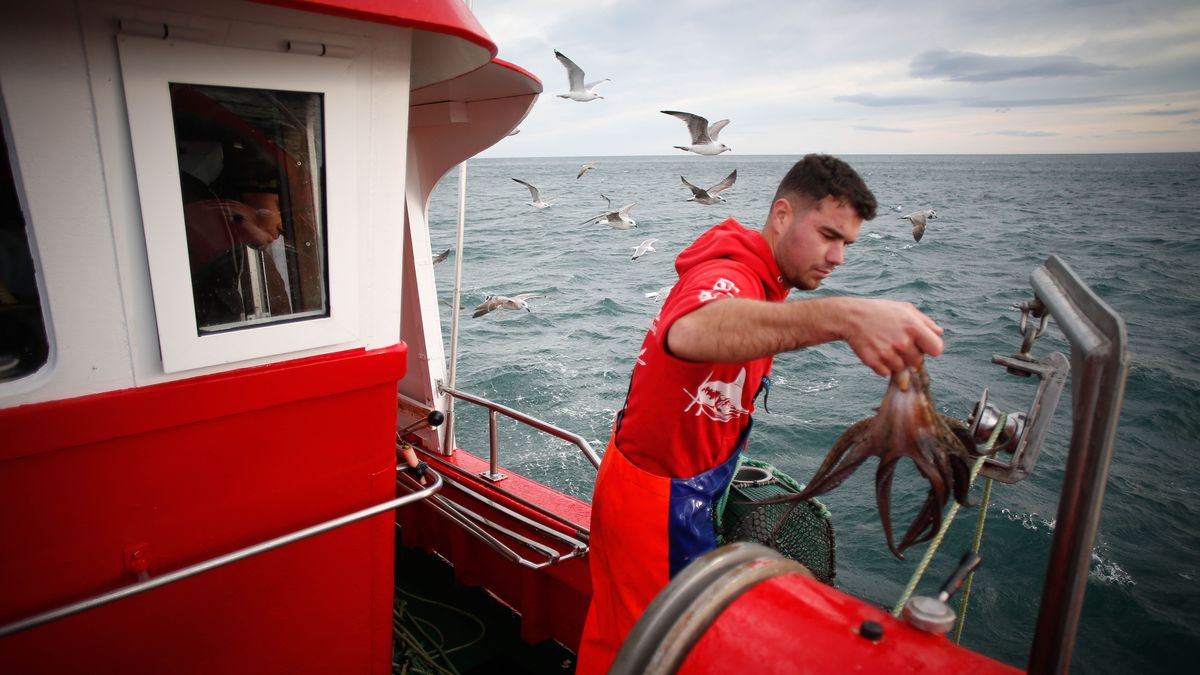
23,345
251,173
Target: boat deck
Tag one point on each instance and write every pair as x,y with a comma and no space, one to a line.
461,628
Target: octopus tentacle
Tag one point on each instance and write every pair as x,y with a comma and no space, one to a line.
883,497
929,517
847,454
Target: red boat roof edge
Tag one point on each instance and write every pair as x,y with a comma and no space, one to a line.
514,67
450,17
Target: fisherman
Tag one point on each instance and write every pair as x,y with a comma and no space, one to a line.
703,362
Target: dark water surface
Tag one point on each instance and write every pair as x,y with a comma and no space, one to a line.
1129,225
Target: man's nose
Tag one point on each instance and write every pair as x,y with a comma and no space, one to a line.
836,254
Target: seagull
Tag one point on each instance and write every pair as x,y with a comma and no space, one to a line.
710,196
579,91
607,199
584,169
494,302
643,248
897,208
441,257
618,220
660,294
918,219
537,202
704,135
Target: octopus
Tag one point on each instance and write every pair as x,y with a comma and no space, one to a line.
906,424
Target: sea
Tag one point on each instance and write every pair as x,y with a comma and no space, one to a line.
1127,224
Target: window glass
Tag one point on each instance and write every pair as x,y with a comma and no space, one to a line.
251,175
23,345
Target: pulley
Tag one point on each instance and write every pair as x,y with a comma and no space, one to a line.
1023,433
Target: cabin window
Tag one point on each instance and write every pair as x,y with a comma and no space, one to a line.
246,173
250,174
23,344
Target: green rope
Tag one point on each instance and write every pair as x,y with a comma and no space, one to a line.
975,544
949,518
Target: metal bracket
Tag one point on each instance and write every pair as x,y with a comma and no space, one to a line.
1052,371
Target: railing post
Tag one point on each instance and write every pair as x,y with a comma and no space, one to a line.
493,451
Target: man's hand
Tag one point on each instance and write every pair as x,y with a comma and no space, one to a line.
888,335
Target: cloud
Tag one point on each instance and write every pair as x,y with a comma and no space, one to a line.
886,130
1019,134
1167,112
943,64
1031,102
876,101
1192,121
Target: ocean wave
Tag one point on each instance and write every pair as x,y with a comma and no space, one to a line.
1103,569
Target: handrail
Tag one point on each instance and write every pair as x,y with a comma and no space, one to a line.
219,561
1099,366
545,427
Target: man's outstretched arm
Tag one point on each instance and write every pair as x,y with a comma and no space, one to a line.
886,335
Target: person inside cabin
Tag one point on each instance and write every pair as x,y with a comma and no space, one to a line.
231,209
705,359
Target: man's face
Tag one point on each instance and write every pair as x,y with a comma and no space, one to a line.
810,241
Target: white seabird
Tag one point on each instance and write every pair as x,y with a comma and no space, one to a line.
494,302
579,91
918,220
618,220
660,294
712,194
704,135
537,202
643,248
584,169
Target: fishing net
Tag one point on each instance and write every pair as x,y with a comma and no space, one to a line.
803,533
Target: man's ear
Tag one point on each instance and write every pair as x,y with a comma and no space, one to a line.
781,215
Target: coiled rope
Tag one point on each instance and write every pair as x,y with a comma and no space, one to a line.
946,521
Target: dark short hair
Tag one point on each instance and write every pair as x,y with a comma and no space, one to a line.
820,176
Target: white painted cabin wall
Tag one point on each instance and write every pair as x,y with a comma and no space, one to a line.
65,109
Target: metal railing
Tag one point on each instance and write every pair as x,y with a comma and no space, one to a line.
1099,366
545,427
483,528
219,561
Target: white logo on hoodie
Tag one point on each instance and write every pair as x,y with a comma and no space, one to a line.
717,400
722,288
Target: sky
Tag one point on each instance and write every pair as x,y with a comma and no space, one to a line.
858,76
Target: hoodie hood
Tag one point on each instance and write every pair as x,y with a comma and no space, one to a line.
733,241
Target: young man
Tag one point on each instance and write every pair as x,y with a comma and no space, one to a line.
703,362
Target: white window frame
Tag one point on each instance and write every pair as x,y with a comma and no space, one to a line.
148,66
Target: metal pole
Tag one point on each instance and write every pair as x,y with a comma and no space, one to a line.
219,561
448,427
493,445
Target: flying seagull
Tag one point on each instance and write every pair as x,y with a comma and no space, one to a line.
918,220
704,135
494,302
711,195
579,91
660,294
584,169
537,202
618,220
607,199
643,248
441,257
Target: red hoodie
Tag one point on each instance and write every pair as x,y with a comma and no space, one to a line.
682,418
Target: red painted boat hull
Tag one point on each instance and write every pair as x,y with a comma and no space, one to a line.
177,473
